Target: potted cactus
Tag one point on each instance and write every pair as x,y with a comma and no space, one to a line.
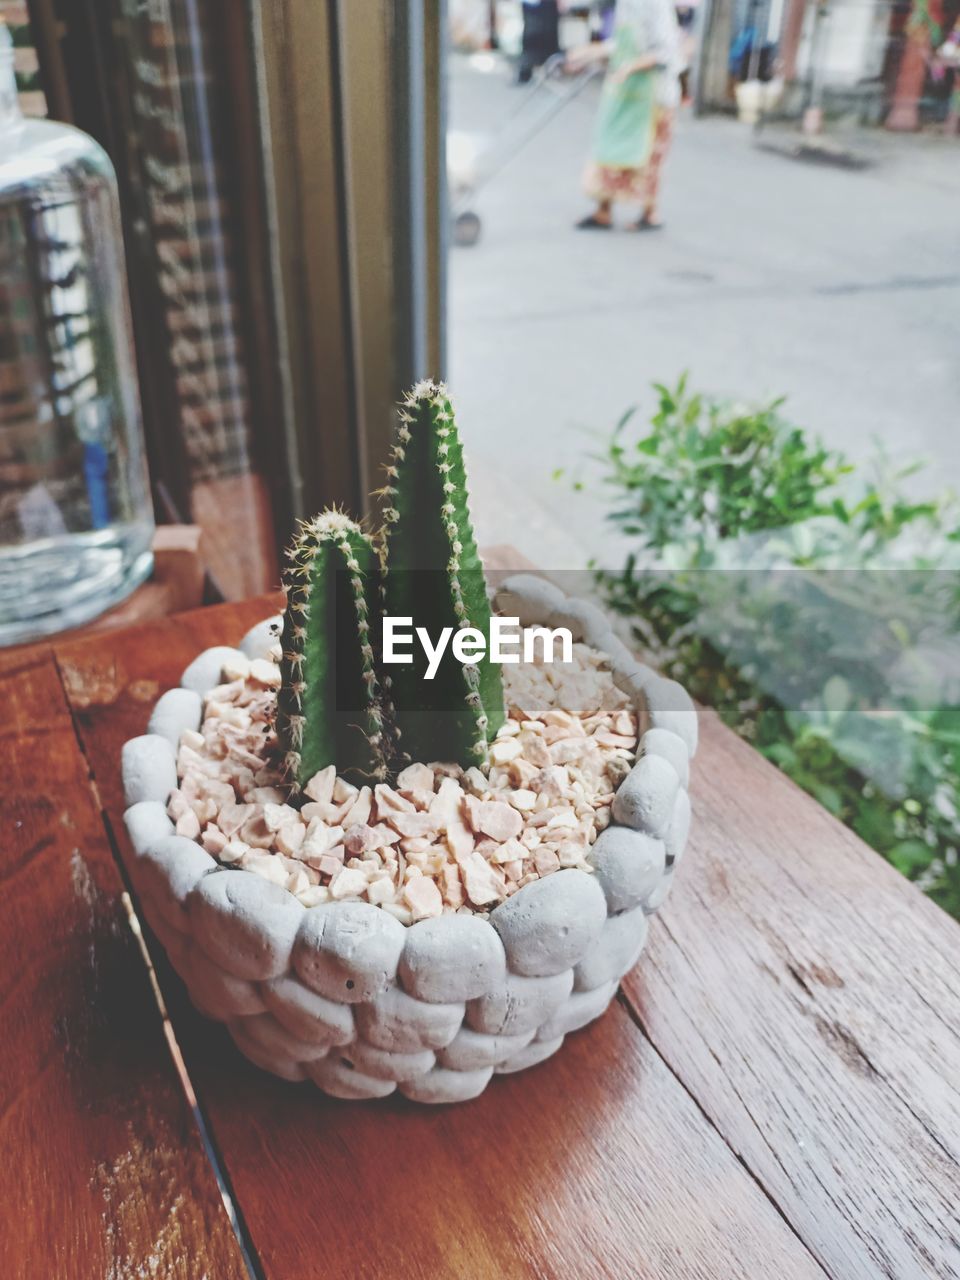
408,875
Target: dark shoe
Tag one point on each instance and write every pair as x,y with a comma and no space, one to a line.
646,225
592,223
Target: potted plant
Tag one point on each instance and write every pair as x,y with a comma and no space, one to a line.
408,875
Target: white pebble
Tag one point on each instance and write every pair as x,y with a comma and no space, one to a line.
236,667
188,824
234,851
504,750
399,912
348,883
266,673
320,786
266,866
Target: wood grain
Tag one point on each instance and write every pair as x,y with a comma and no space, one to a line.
809,998
598,1164
802,1069
104,1173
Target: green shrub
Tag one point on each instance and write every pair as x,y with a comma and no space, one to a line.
811,607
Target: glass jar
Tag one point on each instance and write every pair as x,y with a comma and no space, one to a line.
76,520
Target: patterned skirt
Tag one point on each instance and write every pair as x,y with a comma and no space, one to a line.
640,185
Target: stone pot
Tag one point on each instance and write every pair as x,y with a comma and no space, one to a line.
345,995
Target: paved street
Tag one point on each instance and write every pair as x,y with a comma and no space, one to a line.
838,289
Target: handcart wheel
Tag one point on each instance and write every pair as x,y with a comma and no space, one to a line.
466,228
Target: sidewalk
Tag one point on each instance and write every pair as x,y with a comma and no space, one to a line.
838,289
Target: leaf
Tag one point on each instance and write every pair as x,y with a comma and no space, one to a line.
836,695
910,857
624,419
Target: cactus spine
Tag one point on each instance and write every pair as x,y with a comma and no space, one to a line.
434,575
328,707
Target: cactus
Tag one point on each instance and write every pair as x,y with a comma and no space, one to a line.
328,706
432,573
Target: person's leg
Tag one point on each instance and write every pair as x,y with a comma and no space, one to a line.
663,132
527,44
602,216
549,29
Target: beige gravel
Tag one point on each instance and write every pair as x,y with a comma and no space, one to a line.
440,839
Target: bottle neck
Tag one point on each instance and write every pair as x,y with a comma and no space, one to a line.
10,114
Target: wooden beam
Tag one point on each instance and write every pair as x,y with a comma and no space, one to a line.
358,212
303,160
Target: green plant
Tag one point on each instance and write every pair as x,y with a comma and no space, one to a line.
334,707
705,471
433,574
770,608
329,704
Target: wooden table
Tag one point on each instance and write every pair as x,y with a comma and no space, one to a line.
775,1093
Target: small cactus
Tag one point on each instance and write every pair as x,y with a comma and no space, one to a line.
328,707
432,573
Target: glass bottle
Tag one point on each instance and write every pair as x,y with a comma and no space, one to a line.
76,520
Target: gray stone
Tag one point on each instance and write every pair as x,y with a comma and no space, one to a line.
219,993
671,707
628,866
307,1015
451,958
582,1007
147,823
615,953
633,679
260,639
177,710
519,1004
149,769
659,895
536,1051
679,830
335,1077
528,597
383,1064
167,872
205,671
441,1085
550,924
277,1064
583,620
265,1030
645,798
402,1024
470,1050
663,742
348,950
245,923
619,657
173,942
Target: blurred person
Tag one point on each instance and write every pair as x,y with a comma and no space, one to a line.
686,20
541,36
946,65
469,24
638,102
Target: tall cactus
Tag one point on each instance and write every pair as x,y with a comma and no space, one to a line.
328,706
434,575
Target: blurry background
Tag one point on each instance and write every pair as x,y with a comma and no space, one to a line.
282,177
279,179
324,201
818,266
